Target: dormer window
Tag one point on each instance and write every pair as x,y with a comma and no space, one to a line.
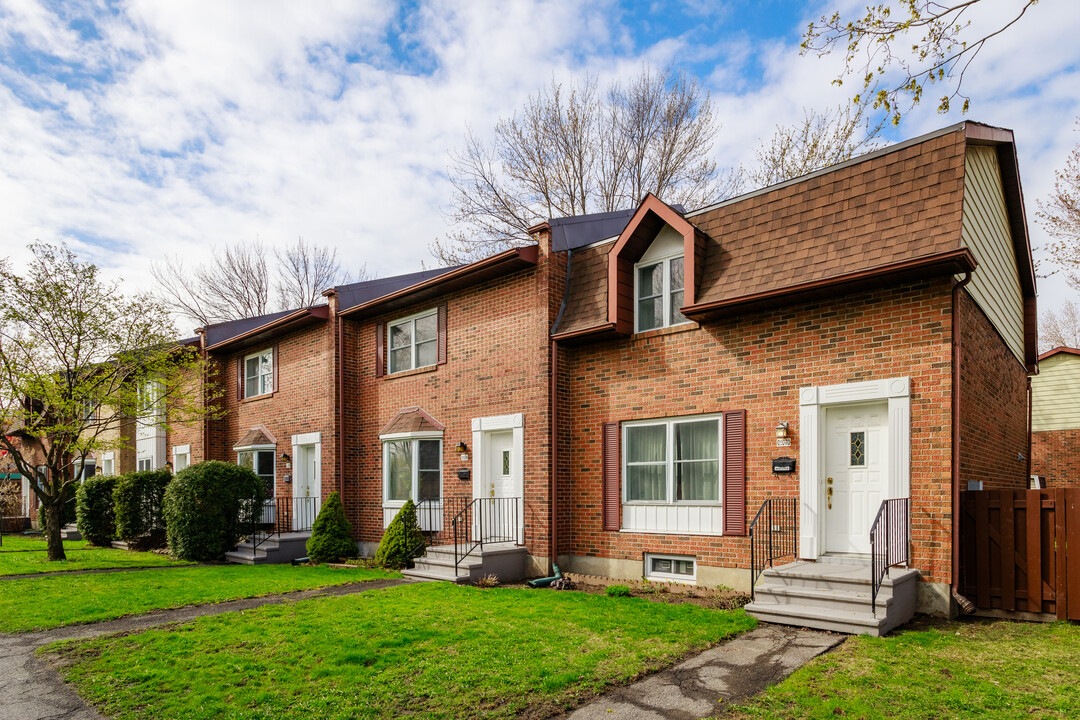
659,291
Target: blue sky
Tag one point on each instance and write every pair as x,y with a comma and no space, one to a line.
136,128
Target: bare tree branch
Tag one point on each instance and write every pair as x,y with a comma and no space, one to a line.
1060,328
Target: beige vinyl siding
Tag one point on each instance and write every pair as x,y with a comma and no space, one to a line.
1055,394
995,284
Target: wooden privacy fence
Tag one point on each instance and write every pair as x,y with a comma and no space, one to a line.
1020,550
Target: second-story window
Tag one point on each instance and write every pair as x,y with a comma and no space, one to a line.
259,373
414,342
658,289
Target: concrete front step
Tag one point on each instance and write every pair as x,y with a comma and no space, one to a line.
505,561
276,550
834,596
70,532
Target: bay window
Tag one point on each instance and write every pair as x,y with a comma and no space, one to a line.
412,469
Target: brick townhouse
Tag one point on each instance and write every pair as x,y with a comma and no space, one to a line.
624,393
1055,420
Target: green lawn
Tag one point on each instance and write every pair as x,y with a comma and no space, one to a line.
21,563
18,543
36,603
979,669
430,650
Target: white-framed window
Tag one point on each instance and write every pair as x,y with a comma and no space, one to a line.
261,461
108,463
672,461
412,469
414,341
679,568
181,457
259,373
658,293
144,464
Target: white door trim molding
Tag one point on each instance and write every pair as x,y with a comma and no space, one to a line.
813,401
482,426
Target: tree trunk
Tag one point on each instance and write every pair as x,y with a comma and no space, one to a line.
53,529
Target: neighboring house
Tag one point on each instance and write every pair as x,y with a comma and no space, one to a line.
1055,418
610,397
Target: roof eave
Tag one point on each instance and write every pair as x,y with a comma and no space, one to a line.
294,321
472,274
946,263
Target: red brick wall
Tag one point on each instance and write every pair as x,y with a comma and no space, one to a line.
185,427
302,402
993,405
497,364
1055,454
757,362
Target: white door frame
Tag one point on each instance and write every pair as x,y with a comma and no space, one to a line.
480,428
813,401
300,507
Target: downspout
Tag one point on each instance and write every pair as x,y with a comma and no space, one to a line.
963,602
553,512
206,395
340,444
1029,431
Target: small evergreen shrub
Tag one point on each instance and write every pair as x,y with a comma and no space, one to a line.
331,535
617,591
208,507
137,502
402,540
94,513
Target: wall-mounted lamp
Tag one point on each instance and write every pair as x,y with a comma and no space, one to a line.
286,459
782,431
461,447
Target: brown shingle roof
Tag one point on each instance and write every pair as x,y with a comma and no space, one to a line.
412,419
254,436
586,304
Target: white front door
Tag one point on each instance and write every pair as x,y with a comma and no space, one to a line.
498,514
856,474
307,487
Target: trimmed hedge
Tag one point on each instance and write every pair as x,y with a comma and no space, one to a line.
94,513
209,507
402,540
137,500
331,535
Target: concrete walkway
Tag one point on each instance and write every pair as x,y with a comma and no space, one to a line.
31,690
706,684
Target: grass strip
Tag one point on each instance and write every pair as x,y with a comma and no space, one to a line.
22,563
22,543
37,603
979,669
430,650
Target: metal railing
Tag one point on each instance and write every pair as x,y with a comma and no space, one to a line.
282,515
485,520
890,542
774,534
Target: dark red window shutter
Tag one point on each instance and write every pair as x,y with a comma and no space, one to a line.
240,378
442,334
611,466
380,350
274,361
735,472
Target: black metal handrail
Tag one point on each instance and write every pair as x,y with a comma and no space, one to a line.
774,534
485,520
281,515
890,542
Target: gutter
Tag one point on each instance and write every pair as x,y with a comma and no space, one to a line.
966,605
340,442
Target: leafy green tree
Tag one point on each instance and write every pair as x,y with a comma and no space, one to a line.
927,41
402,539
76,357
331,535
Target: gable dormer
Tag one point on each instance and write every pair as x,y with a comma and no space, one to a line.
653,269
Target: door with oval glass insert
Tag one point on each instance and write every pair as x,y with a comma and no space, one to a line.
497,510
856,474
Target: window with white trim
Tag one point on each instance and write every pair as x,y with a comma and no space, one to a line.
658,293
670,567
144,464
412,469
672,461
414,341
181,457
108,463
259,373
262,463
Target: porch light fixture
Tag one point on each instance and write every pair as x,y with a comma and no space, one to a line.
461,447
286,459
782,431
